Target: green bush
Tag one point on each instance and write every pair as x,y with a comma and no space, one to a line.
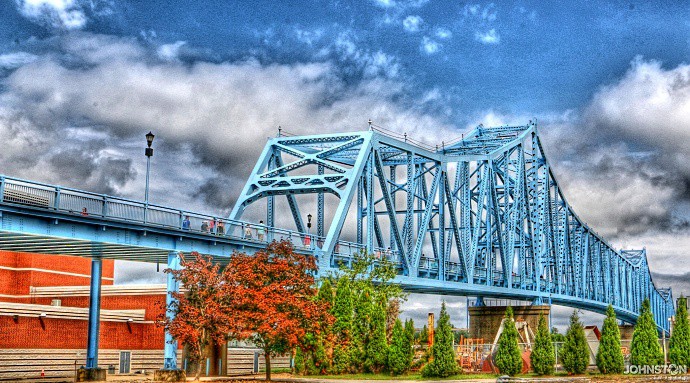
645,349
679,347
543,357
609,356
575,351
377,347
397,354
442,362
299,361
409,341
508,357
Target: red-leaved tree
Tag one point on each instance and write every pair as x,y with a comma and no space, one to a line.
201,315
272,296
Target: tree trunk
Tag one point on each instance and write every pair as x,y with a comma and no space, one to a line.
198,371
268,366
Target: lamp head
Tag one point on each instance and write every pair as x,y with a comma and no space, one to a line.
149,138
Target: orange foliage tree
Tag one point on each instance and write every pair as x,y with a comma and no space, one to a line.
272,296
201,315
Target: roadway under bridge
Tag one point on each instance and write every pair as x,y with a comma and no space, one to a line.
482,216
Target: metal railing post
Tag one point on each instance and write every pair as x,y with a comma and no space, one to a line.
56,203
2,189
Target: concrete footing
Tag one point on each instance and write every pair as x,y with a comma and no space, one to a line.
90,375
485,320
170,375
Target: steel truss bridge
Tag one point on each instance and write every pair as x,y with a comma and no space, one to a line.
482,217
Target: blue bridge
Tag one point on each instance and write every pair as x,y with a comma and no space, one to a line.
482,216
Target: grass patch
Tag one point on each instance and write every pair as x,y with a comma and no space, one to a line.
409,376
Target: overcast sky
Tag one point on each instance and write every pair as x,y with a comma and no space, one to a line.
82,81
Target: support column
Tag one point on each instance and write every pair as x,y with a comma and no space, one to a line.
94,313
92,372
173,286
170,371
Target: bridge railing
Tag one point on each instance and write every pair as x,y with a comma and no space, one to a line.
92,205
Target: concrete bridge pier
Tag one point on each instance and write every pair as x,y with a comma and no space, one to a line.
486,320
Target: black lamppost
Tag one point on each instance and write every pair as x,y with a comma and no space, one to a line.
308,223
149,154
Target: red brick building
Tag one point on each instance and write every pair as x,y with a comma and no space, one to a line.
44,302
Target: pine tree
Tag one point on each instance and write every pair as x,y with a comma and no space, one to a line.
361,329
443,362
409,341
679,347
575,351
341,359
397,353
299,361
508,357
424,335
645,349
609,356
543,357
342,308
325,294
377,347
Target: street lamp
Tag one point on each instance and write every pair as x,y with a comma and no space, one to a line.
148,153
309,229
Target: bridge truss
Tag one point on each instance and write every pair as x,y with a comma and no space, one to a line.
482,217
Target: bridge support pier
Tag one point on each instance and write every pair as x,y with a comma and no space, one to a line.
486,320
170,371
92,372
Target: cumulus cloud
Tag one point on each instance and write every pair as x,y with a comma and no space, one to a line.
62,14
430,46
170,52
16,59
491,37
220,113
412,23
443,33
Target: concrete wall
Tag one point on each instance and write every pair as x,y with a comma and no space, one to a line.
486,320
28,363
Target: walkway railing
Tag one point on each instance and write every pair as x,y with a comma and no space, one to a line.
92,205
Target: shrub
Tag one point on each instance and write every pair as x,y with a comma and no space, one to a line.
508,357
679,347
575,351
609,356
543,357
645,349
442,362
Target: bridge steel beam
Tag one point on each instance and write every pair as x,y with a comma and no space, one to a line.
482,216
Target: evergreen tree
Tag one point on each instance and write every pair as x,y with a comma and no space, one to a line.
299,361
361,329
443,362
377,347
575,351
543,357
397,353
508,357
609,356
321,361
409,341
645,349
325,294
679,347
424,335
341,359
341,310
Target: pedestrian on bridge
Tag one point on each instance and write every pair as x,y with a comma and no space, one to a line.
260,231
220,229
186,224
248,231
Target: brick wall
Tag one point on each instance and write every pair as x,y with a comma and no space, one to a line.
30,332
51,271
